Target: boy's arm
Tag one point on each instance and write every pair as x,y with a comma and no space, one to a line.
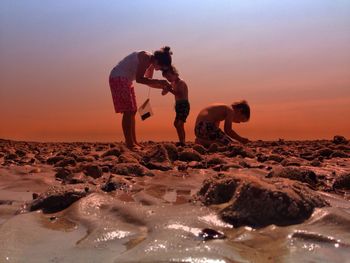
230,132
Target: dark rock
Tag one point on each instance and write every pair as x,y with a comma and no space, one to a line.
189,155
77,178
315,163
234,151
258,202
338,139
339,154
157,159
128,157
105,169
196,165
132,169
112,152
342,182
81,159
325,152
244,164
214,147
113,184
215,160
275,158
199,148
11,156
55,159
56,199
298,174
66,162
93,171
210,234
262,158
21,153
307,156
63,174
172,151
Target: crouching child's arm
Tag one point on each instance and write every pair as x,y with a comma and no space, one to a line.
230,132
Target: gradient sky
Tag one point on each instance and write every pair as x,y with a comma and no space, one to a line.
289,59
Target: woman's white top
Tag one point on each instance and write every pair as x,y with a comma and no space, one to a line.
127,67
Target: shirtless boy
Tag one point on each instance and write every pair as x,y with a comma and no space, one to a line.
207,129
182,106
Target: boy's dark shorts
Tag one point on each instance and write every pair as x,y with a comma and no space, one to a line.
182,109
209,131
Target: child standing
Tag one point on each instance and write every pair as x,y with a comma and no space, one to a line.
137,66
182,105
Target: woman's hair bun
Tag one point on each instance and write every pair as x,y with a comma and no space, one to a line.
167,50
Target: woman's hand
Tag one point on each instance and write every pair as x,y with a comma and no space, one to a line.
164,84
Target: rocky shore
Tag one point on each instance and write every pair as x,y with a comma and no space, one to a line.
258,184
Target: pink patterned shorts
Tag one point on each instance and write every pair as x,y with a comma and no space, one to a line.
123,94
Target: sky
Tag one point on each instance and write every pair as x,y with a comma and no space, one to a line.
289,59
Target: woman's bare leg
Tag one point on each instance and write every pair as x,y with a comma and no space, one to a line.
127,128
134,130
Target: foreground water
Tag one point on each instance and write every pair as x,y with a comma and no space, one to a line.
158,223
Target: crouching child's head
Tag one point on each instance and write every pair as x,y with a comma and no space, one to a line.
242,110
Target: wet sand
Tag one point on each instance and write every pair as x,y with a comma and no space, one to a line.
100,202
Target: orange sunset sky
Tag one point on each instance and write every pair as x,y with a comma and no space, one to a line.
289,59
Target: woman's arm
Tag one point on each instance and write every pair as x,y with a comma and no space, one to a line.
144,64
149,72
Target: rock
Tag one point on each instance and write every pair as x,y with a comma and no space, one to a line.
77,178
338,139
189,155
81,159
21,153
315,163
258,202
214,147
132,169
112,152
63,174
262,158
196,165
93,171
339,154
114,183
172,151
210,234
199,148
234,151
298,174
105,169
56,199
325,152
11,156
307,156
157,159
127,158
342,182
276,158
66,162
215,160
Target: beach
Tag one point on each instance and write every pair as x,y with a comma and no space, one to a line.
267,201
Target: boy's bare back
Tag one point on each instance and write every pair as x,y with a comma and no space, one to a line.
180,90
214,113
